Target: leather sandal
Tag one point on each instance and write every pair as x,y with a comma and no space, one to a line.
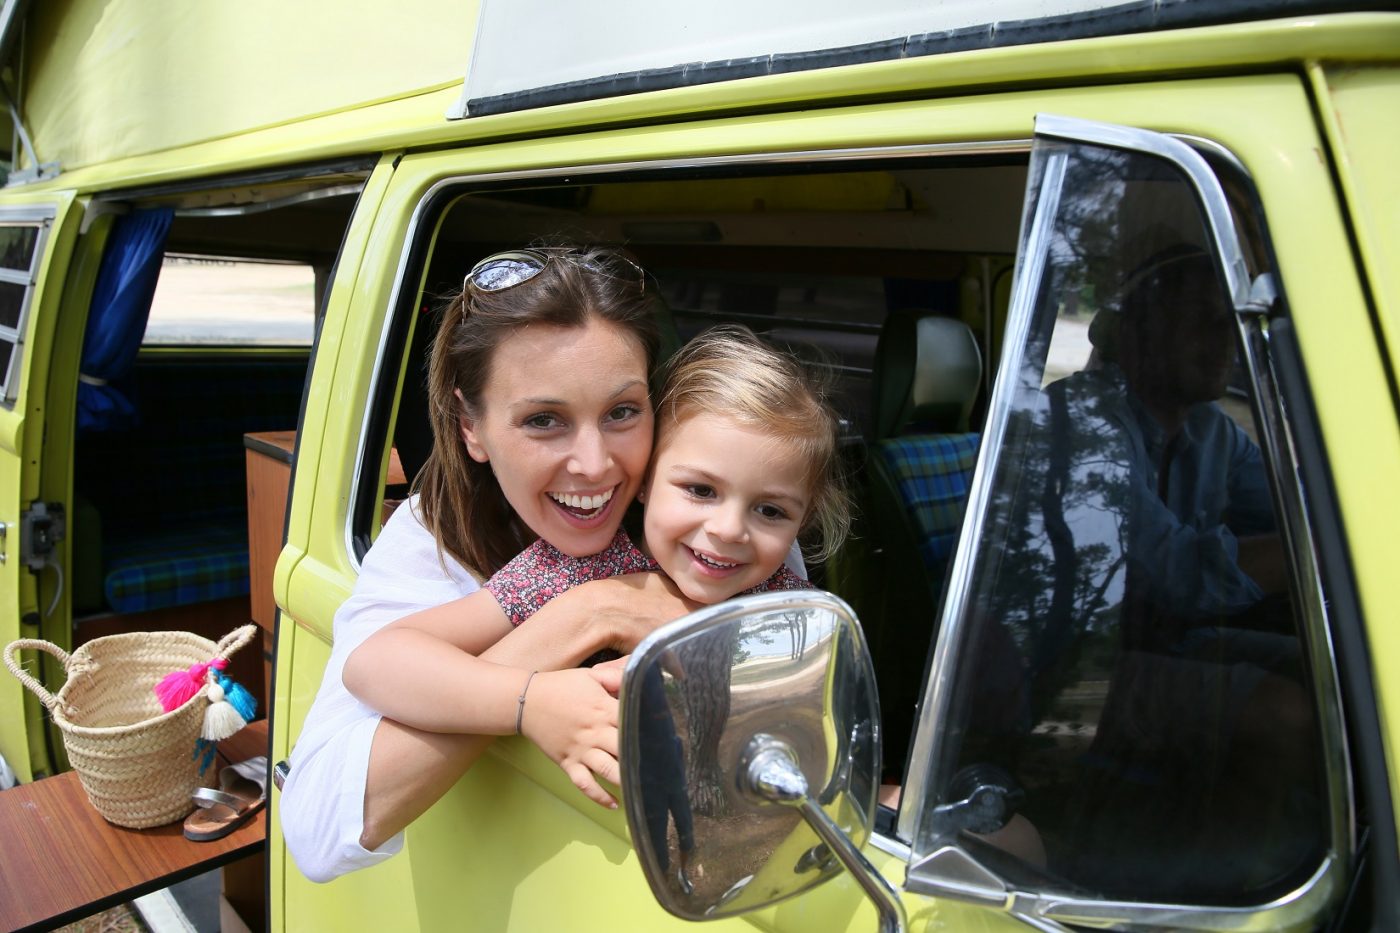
241,793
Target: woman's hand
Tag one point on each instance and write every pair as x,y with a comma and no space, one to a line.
572,716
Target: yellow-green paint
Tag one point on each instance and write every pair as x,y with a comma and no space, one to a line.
22,740
1358,105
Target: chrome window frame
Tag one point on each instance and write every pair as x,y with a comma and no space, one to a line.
42,219
950,871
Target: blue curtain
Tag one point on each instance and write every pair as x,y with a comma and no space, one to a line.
121,302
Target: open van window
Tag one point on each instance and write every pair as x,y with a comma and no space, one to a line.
219,301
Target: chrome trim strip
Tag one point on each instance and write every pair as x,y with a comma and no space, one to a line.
1219,222
1030,268
16,277
257,207
991,147
1305,583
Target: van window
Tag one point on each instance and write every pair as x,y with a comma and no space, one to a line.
22,235
1127,663
224,300
817,261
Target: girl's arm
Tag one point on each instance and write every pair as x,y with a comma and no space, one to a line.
410,769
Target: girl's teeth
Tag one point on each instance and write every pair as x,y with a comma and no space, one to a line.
714,563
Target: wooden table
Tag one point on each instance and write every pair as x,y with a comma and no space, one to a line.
60,861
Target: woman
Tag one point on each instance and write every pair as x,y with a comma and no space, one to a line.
538,396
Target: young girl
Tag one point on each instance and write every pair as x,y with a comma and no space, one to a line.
746,459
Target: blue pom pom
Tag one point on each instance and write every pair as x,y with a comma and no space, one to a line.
206,750
239,698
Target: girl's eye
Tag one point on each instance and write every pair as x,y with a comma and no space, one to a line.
772,512
700,491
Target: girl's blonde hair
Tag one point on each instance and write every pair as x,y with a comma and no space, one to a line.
460,501
729,372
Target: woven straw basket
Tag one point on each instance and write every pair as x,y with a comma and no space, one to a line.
136,761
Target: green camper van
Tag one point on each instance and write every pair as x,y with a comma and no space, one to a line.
226,229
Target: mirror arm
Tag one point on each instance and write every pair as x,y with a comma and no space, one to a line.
769,773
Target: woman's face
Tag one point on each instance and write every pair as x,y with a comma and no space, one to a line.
566,424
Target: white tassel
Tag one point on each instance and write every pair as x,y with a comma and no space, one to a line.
221,720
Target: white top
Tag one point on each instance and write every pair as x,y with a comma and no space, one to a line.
323,799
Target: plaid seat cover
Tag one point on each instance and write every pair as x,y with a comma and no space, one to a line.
933,472
178,567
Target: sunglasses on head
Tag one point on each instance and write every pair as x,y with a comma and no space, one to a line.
501,271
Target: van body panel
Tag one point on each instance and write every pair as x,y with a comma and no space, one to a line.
25,599
321,392
1364,144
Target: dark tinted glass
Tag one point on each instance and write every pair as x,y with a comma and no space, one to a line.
17,247
11,303
1132,672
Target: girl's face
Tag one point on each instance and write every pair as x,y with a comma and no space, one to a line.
724,503
566,424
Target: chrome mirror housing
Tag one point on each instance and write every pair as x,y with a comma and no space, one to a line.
751,754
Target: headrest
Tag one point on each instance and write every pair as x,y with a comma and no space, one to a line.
928,369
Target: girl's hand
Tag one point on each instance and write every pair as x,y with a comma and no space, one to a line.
572,716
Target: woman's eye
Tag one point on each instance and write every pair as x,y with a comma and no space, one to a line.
542,421
624,412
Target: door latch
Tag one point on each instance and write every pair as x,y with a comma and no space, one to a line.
41,527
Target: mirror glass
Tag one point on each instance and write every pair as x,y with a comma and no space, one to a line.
787,667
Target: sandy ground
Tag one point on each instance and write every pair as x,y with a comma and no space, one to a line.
227,302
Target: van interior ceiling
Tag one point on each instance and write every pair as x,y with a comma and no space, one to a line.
159,520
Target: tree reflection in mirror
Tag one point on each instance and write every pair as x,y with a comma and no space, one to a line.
776,670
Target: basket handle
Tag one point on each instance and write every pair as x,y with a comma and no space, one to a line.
235,639
12,651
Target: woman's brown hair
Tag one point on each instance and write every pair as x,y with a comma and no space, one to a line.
460,501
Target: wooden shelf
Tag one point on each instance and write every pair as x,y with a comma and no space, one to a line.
61,861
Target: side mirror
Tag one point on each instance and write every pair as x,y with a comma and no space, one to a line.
751,755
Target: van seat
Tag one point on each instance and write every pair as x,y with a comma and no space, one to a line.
177,567
171,492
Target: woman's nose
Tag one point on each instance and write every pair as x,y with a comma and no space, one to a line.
590,457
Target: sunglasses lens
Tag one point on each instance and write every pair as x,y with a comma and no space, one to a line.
493,275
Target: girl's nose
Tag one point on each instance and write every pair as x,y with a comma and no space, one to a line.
726,523
590,457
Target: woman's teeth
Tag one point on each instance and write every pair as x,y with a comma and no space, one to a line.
581,503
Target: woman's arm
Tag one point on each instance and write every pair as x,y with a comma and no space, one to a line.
410,769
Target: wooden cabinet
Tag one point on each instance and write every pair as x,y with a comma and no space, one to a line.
269,460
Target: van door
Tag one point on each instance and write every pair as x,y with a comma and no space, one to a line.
1135,657
35,244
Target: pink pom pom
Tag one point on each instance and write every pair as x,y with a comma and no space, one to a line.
176,688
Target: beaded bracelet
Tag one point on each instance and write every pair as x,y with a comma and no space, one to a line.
520,709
